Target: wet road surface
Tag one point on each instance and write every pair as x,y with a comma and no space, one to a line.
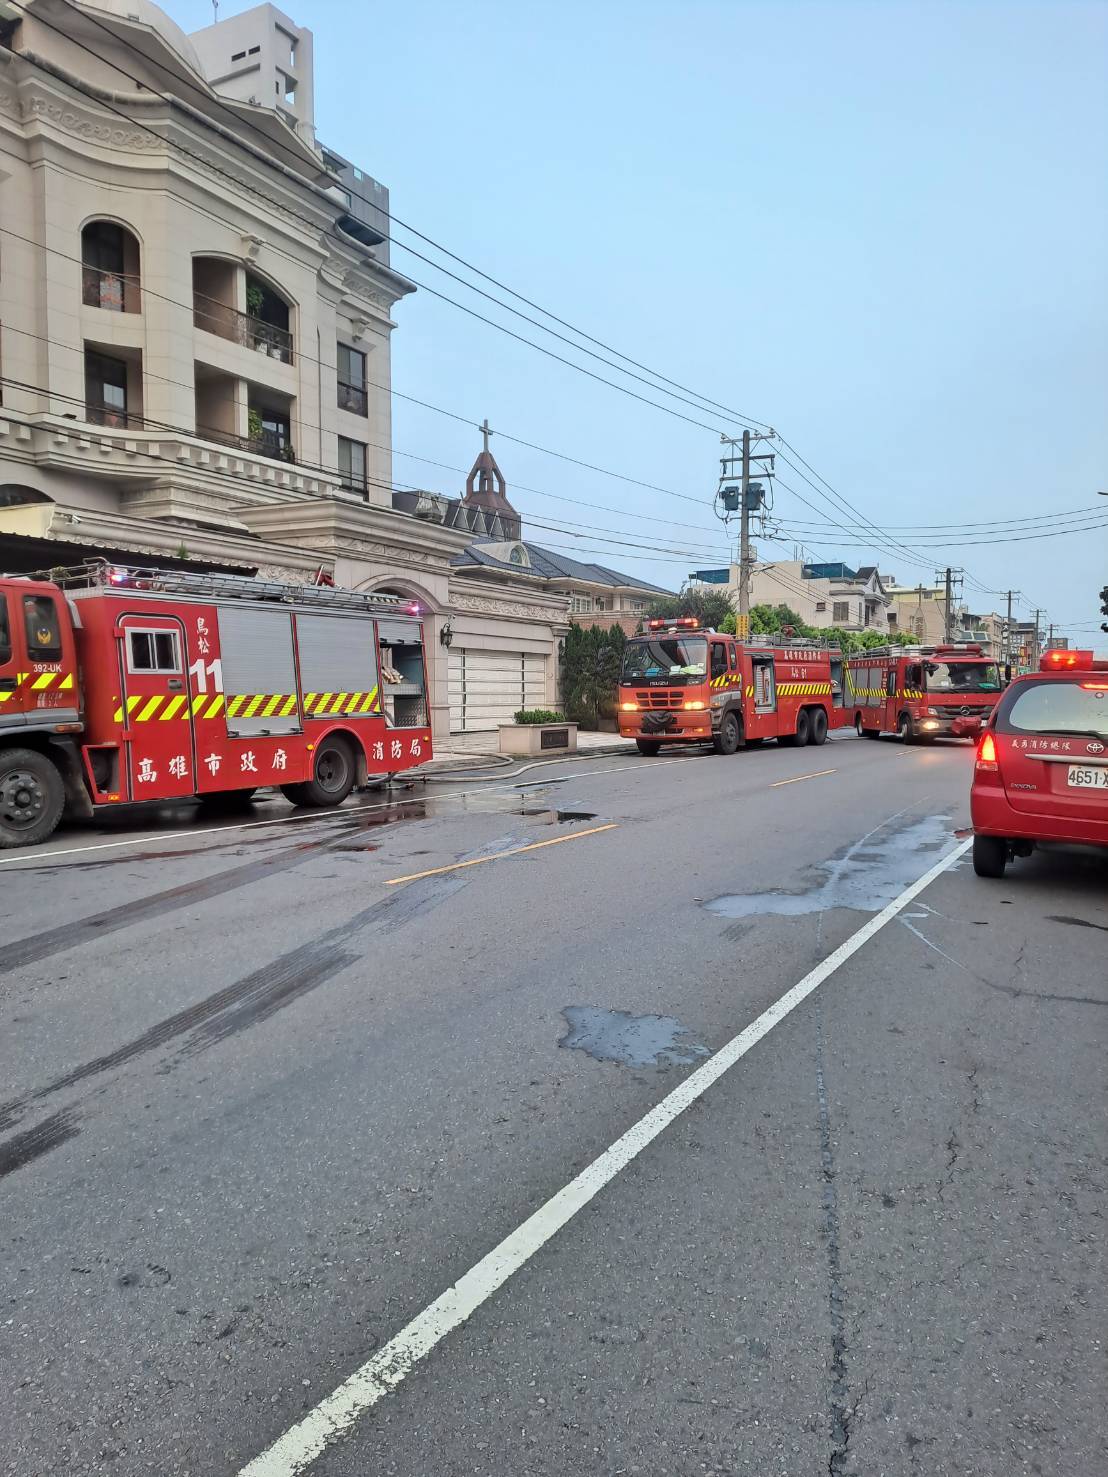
262,1102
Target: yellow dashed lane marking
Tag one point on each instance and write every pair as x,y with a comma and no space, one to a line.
819,773
479,861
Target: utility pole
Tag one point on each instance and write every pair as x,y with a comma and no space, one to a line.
1008,632
1036,651
948,623
744,540
747,498
1050,637
949,614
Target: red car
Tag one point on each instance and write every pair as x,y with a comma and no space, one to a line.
1042,763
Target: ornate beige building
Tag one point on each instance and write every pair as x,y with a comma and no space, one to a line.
195,315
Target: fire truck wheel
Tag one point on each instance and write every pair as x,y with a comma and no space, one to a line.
905,729
803,729
32,797
990,856
649,747
819,726
333,778
730,734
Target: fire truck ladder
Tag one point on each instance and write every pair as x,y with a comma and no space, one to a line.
961,649
100,574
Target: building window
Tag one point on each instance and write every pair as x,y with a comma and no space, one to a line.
841,611
110,268
352,463
238,56
106,391
581,605
284,40
352,382
821,607
286,88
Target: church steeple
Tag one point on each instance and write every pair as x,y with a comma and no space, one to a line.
486,489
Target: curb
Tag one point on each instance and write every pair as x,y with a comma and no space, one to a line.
506,773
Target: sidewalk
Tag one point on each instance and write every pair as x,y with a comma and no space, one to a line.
479,751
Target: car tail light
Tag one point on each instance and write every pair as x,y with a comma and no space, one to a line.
986,752
1095,686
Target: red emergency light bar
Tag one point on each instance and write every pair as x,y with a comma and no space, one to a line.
673,623
1066,661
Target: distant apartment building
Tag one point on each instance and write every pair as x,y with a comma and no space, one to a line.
822,595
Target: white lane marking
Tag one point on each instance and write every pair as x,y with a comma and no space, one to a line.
26,857
816,775
308,1438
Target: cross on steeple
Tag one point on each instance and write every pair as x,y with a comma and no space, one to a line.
486,431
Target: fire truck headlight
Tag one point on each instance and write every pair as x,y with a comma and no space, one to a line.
929,724
629,707
695,707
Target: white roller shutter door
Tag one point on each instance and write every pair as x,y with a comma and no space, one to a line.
487,687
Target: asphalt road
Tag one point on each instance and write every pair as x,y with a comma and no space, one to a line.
263,1102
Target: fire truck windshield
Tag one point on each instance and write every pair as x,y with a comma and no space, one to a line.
676,659
962,676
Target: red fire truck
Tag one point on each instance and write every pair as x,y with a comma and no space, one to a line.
122,684
922,692
682,683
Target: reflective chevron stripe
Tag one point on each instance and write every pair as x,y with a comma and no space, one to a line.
246,705
349,704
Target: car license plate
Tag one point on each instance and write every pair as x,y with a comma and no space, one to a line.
1083,777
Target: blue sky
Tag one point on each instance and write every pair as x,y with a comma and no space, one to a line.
881,227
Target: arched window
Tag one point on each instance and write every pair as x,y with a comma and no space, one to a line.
110,261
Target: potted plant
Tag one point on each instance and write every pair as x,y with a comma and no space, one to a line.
254,426
255,298
538,731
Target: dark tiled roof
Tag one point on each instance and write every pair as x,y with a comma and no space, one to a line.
546,564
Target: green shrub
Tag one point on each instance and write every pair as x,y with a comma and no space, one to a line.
537,715
591,662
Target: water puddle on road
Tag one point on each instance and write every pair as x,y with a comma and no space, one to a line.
865,876
630,1040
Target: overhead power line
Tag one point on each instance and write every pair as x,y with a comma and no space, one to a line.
268,144
564,527
701,402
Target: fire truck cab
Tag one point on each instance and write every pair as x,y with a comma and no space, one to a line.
121,685
682,683
922,692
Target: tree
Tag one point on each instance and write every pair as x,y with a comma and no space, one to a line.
710,608
591,662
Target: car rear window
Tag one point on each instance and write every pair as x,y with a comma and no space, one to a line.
1057,708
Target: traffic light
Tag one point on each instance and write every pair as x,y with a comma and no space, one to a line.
1104,607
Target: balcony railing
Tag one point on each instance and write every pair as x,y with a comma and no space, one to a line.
113,419
242,328
107,289
264,445
353,398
